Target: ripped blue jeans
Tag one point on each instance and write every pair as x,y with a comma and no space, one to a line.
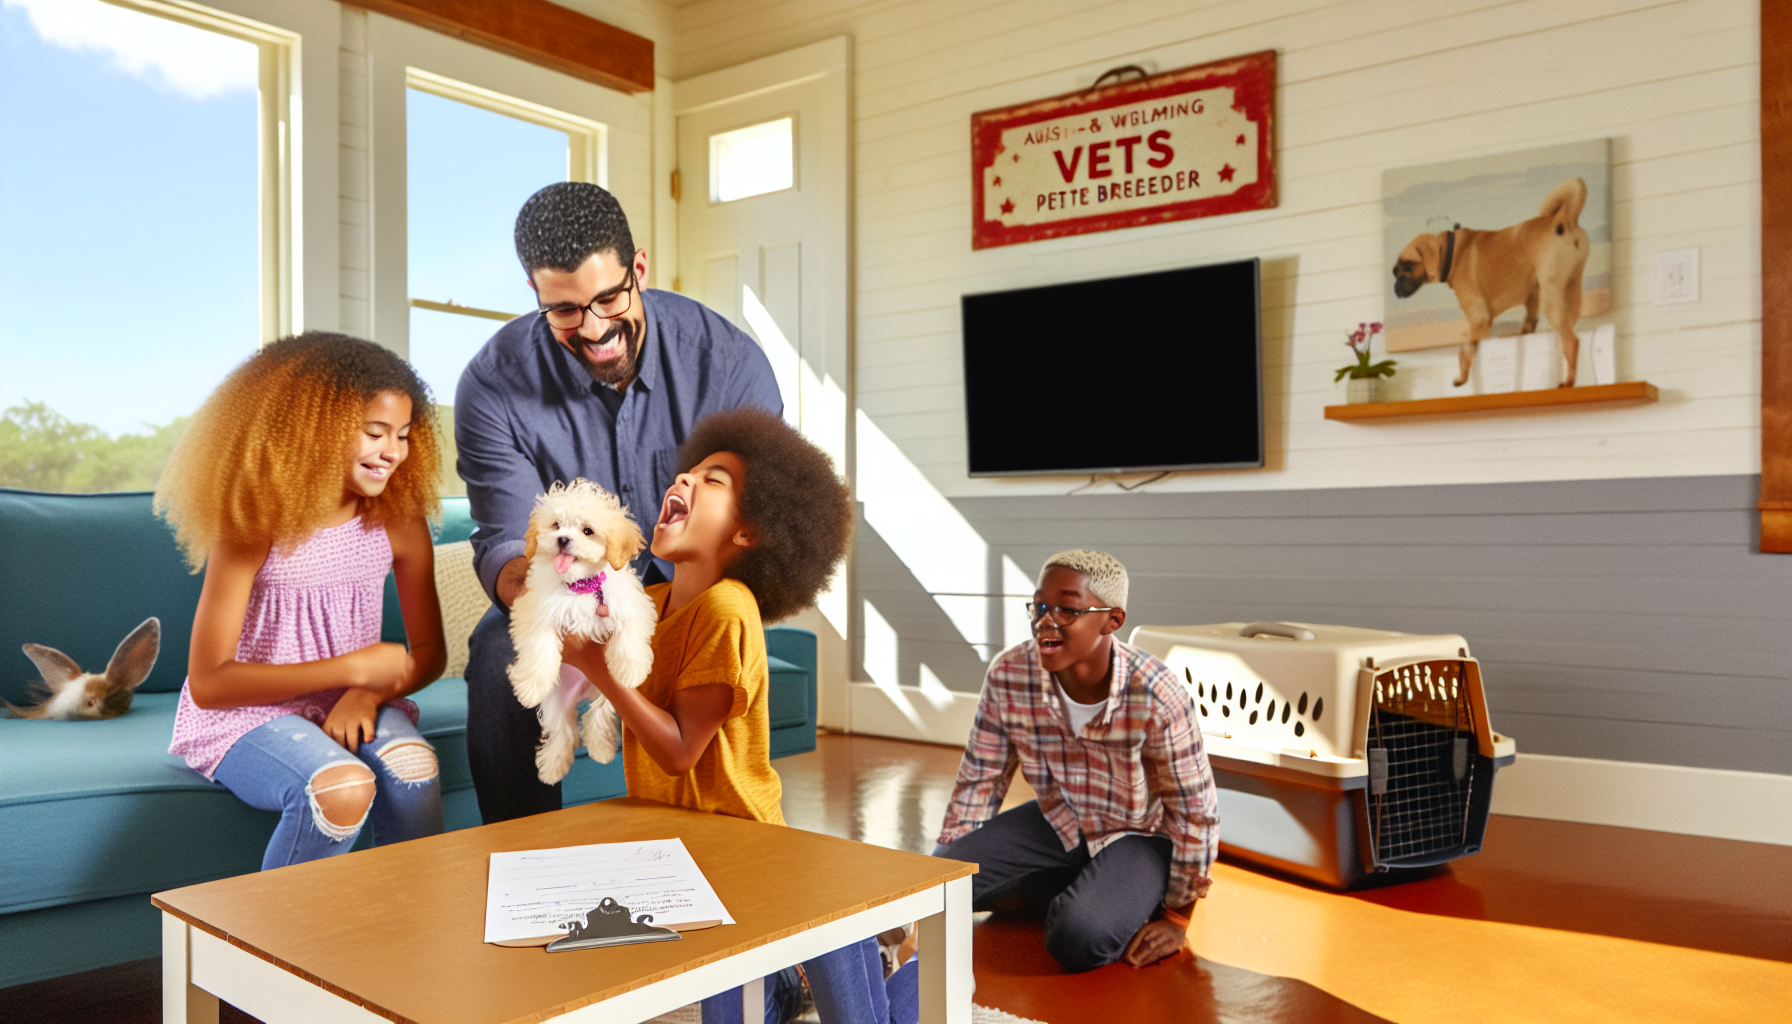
392,783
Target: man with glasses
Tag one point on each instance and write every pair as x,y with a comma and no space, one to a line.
1118,845
603,381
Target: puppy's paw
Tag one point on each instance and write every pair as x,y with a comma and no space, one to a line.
553,759
531,688
602,730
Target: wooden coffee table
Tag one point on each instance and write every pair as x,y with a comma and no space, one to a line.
395,933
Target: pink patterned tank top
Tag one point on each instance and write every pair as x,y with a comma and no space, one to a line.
321,599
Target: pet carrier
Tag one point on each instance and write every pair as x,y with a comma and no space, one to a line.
1338,751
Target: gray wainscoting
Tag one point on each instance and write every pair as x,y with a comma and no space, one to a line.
1624,619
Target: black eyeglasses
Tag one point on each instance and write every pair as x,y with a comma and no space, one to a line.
571,318
1037,611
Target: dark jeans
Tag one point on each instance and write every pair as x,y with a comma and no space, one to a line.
1093,907
849,988
501,733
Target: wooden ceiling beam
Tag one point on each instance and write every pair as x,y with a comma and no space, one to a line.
1776,276
536,31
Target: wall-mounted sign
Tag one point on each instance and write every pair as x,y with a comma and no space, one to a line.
1190,143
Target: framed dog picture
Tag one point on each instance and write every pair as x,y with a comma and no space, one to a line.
1512,244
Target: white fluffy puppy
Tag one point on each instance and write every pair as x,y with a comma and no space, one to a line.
579,546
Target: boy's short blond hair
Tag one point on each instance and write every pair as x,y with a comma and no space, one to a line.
1107,577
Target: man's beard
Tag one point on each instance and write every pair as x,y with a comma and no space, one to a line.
622,368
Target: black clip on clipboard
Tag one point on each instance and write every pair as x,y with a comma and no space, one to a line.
610,924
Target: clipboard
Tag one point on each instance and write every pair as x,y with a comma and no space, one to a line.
611,924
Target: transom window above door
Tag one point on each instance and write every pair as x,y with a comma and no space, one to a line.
752,161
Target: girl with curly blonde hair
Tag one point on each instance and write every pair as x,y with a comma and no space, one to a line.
304,479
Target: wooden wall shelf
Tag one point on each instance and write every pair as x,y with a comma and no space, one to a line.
1628,391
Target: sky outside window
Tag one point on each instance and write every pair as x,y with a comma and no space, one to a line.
469,171
129,259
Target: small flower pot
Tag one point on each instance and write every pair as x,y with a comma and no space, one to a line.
1358,390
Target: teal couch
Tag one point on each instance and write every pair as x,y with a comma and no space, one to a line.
95,816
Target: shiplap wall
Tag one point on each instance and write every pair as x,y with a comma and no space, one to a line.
1593,558
1628,620
1364,86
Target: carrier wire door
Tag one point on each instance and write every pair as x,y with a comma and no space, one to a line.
1430,755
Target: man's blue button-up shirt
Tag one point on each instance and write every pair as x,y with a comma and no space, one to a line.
527,413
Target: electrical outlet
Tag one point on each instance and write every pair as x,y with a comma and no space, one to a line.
1676,277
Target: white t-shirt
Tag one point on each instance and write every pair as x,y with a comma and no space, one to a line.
1079,714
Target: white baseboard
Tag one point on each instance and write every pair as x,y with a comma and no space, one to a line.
1751,806
910,713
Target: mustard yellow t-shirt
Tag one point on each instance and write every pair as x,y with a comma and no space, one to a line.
717,638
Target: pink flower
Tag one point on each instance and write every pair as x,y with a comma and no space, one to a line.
1375,328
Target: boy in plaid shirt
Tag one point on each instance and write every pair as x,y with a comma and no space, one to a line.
1119,843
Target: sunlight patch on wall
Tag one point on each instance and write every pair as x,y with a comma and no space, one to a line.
1017,590
933,691
883,665
786,363
939,546
814,404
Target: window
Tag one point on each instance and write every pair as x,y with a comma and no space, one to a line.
752,161
469,169
138,233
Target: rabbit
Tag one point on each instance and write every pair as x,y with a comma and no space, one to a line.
70,694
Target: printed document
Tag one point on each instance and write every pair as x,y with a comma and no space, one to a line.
532,894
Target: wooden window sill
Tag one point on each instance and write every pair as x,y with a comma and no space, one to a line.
1628,391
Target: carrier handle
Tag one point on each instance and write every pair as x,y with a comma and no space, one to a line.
1281,629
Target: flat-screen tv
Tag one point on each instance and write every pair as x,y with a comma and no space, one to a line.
1150,372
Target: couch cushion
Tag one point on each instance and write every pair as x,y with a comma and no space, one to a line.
443,721
463,601
50,595
457,521
789,703
90,810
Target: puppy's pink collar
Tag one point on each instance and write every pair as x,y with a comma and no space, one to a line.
590,585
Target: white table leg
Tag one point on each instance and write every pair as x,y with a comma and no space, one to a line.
182,1001
945,948
752,1002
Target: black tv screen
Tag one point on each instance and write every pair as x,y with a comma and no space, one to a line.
1149,372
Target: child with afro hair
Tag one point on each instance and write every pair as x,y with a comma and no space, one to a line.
754,524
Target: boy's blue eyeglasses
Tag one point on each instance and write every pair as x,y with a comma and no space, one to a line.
1038,611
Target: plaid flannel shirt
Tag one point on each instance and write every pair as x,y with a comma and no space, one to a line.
1137,769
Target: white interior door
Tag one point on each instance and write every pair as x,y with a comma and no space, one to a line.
763,214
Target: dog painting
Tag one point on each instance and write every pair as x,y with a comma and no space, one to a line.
1501,242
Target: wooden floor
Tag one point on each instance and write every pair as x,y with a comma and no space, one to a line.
1552,922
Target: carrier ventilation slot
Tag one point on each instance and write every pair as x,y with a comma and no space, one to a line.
1421,723
1251,706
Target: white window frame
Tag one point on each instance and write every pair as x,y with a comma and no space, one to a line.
715,169
403,56
588,155
587,152
277,32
